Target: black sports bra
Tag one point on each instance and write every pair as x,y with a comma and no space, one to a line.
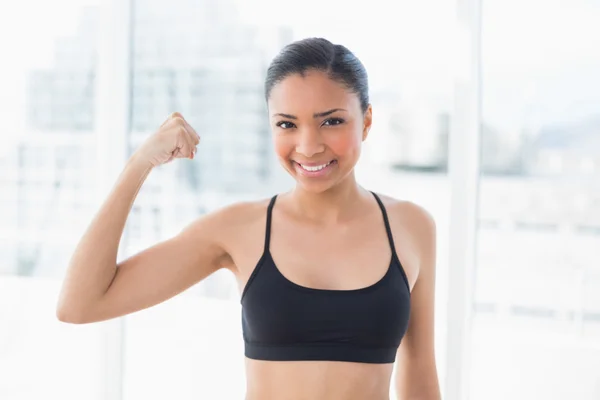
283,321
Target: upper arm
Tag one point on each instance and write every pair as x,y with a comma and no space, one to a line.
416,366
168,267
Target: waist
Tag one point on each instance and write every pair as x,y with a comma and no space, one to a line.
318,380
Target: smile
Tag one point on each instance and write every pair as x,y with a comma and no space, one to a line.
315,170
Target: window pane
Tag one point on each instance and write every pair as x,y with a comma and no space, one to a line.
47,153
208,60
536,307
47,164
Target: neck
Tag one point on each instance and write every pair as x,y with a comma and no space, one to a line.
332,205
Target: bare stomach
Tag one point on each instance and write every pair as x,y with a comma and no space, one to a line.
317,380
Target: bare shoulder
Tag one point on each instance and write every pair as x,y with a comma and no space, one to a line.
236,226
414,231
232,219
238,214
410,215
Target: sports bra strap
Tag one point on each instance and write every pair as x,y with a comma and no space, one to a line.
387,223
388,229
268,230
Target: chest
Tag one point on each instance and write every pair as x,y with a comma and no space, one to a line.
345,257
341,258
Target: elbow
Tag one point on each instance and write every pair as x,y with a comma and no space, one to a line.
69,315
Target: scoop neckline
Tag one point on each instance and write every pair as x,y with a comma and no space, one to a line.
295,285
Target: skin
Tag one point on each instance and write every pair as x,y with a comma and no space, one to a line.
328,233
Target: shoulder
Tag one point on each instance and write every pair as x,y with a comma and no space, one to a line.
410,215
414,226
231,217
243,211
232,229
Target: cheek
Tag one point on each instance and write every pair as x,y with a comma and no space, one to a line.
344,143
283,146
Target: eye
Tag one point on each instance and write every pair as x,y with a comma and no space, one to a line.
333,121
285,124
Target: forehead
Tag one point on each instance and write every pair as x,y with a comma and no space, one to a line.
313,92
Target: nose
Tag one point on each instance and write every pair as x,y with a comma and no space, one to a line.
309,143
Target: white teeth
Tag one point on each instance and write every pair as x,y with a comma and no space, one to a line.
315,168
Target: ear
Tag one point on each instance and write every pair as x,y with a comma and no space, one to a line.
367,121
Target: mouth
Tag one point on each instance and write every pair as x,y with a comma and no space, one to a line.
314,170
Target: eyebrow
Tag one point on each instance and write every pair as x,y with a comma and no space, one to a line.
315,115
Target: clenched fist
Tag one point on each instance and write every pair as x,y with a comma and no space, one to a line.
174,139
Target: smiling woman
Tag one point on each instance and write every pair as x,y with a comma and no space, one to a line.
337,282
313,140
318,98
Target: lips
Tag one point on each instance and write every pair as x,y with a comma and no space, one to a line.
314,167
314,170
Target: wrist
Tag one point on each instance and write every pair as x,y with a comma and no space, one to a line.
139,160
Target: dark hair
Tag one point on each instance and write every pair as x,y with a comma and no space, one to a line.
320,54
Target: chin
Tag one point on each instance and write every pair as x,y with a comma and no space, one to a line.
314,187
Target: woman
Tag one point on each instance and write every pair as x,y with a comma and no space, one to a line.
336,282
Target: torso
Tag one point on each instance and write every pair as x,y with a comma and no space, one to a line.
321,257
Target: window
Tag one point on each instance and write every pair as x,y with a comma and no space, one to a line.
535,311
47,106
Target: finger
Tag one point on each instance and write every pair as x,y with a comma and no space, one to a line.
187,138
172,116
189,128
177,118
193,140
192,132
186,145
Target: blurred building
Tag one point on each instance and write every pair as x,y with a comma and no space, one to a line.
407,136
47,184
571,149
61,98
197,58
188,56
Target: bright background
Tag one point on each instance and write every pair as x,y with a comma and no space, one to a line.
486,113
